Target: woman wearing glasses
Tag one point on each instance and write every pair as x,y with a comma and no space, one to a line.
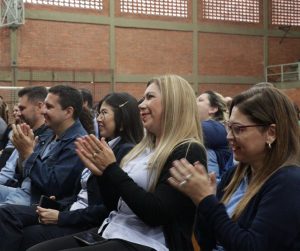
257,204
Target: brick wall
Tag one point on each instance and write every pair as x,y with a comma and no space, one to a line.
141,51
288,51
230,55
77,46
225,89
4,47
63,45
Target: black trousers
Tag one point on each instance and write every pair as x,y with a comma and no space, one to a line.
71,244
20,229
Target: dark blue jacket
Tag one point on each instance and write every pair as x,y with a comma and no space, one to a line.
214,135
60,171
270,222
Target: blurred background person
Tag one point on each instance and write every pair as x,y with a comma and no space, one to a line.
213,111
5,144
87,98
3,120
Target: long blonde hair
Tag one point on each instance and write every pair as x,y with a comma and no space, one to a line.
266,106
180,124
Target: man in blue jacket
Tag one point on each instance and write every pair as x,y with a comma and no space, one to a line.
53,167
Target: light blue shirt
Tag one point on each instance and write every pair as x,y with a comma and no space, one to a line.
9,170
233,202
212,163
237,196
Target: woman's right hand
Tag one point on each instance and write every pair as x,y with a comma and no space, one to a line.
192,180
94,153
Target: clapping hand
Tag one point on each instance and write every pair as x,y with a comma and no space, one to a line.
192,180
94,153
23,139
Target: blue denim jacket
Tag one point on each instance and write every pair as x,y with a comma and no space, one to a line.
59,171
8,172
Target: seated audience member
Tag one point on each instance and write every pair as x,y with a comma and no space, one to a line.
16,114
14,188
212,109
6,144
88,105
8,132
3,120
53,167
146,212
86,118
119,122
257,204
227,101
4,110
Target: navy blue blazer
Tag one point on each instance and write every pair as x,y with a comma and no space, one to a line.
271,221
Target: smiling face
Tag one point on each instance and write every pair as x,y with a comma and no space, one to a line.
106,121
54,114
16,114
249,145
151,110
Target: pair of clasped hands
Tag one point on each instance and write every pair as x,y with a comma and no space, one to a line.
23,139
94,153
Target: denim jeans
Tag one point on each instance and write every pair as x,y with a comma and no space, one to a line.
14,195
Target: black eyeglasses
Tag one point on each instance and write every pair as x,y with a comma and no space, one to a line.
237,129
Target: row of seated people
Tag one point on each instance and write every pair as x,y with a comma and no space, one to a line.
48,168
127,121
145,191
6,146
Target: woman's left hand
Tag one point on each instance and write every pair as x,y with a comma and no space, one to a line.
95,154
192,180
